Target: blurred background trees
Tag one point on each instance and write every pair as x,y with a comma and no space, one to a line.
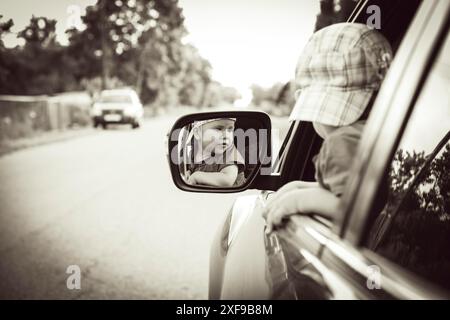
416,216
135,43
334,11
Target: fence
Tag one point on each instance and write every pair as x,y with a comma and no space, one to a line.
25,116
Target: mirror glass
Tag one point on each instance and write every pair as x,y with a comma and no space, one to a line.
220,152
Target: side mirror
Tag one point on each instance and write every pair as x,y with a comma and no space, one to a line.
219,151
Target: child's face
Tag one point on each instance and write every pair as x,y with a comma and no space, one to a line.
217,135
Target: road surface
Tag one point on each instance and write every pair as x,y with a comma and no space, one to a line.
106,203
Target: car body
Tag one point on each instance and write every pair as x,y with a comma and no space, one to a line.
315,258
117,106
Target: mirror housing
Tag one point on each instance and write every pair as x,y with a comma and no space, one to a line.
247,148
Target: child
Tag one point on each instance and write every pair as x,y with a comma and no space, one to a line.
216,160
337,77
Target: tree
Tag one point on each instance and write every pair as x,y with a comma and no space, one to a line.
122,36
37,67
196,78
137,43
5,55
333,11
278,99
416,232
40,33
230,95
5,28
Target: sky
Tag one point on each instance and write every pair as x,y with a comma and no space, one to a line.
246,41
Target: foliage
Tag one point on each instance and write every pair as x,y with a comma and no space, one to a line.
332,11
419,214
135,43
277,99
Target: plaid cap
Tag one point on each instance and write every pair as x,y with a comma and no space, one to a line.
200,123
337,73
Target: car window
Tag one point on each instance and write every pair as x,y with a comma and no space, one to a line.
116,98
412,228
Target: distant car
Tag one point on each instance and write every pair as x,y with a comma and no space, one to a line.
393,239
118,106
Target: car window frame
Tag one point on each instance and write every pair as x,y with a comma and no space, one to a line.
279,162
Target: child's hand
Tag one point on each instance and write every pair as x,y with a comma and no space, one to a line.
293,185
317,201
192,179
280,192
283,206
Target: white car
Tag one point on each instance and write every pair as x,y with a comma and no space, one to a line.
118,106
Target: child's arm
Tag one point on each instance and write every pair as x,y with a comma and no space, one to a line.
224,178
311,200
293,185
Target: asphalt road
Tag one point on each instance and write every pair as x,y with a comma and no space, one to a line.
106,203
